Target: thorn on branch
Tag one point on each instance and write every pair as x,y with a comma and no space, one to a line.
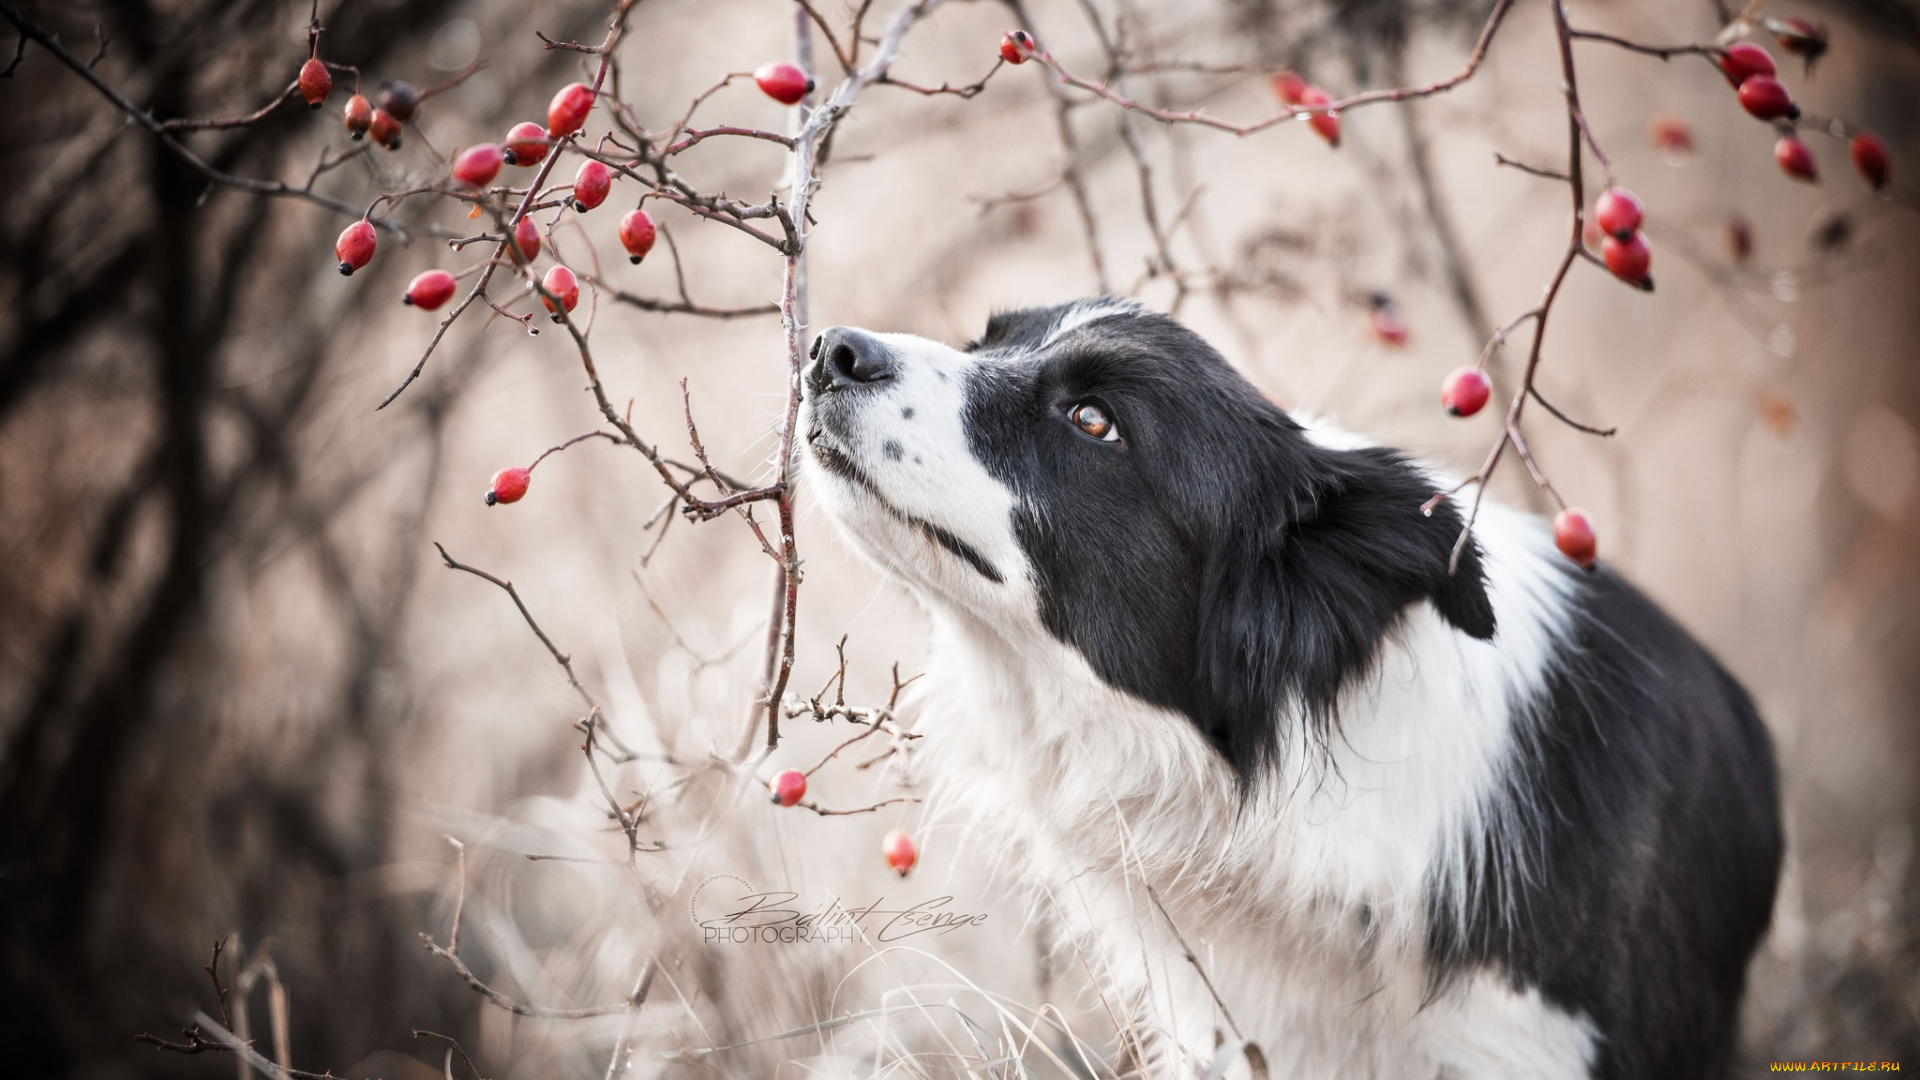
1537,170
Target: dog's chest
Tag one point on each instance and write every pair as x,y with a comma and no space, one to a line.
1307,907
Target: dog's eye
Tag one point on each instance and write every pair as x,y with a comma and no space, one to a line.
1094,420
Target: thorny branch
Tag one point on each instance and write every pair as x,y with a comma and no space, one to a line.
1105,90
29,31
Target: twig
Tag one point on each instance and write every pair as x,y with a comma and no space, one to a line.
293,89
565,661
1537,170
964,93
825,812
1604,433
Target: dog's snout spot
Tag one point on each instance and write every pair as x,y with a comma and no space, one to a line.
892,449
906,412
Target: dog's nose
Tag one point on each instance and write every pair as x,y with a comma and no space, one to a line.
845,358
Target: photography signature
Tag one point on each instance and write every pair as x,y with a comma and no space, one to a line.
729,910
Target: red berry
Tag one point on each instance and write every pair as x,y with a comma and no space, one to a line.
509,485
1289,88
1015,45
430,290
399,99
1628,259
1870,158
526,237
384,129
1744,59
636,234
1764,97
315,82
1573,535
783,82
562,284
591,184
1618,212
476,166
1466,391
1325,124
526,145
899,851
1670,134
567,113
789,786
1795,159
355,246
359,116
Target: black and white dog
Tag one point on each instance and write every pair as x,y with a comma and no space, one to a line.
1208,667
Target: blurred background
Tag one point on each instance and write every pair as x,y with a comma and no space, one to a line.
242,700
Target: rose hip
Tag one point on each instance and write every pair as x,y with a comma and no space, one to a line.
430,290
567,113
636,235
355,247
783,82
509,485
526,145
591,184
315,82
564,286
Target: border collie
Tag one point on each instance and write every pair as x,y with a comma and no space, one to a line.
1287,778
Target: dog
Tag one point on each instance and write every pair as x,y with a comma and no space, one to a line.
1290,778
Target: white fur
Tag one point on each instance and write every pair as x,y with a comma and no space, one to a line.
1080,314
1307,908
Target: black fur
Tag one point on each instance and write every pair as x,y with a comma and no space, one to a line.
1215,560
1642,875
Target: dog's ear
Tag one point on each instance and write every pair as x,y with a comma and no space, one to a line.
1305,580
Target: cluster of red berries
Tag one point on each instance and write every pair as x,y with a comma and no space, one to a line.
397,103
398,100
1750,70
789,786
1623,247
526,145
1291,89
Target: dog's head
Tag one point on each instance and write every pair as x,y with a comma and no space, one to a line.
1098,472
